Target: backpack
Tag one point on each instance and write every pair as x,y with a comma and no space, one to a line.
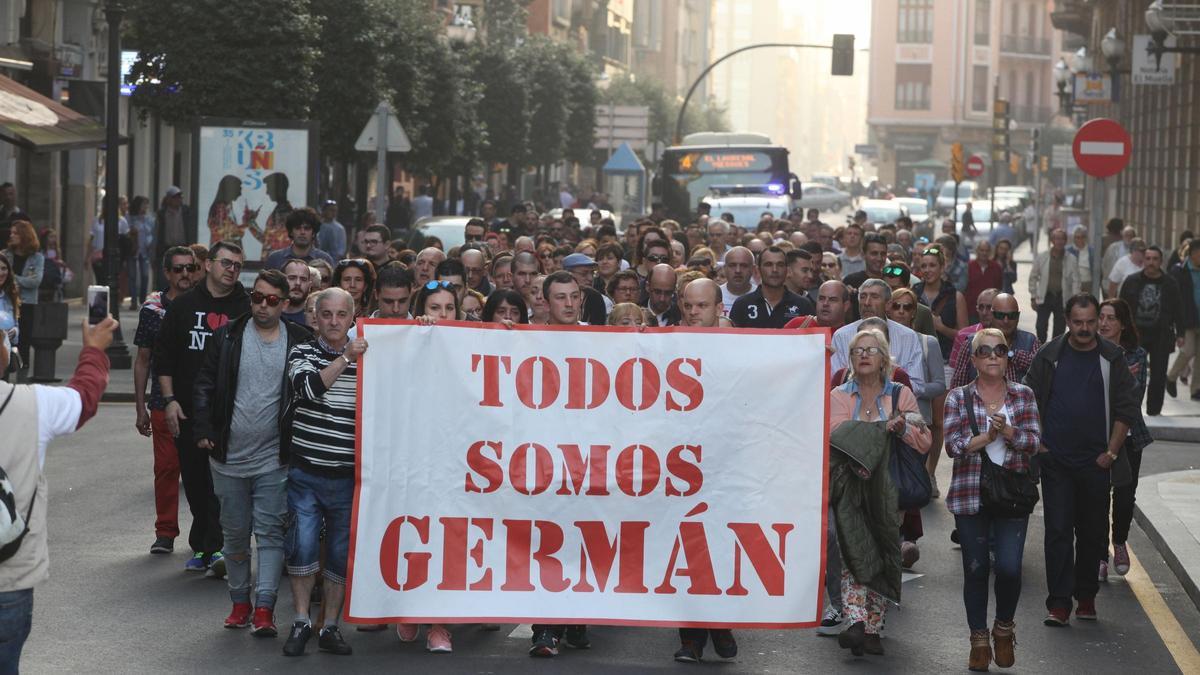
13,527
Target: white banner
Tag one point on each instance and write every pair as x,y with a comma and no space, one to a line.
591,475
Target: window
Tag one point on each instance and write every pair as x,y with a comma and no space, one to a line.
979,89
562,11
914,24
983,22
912,86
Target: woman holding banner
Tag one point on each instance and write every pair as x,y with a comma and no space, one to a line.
1000,427
435,301
868,399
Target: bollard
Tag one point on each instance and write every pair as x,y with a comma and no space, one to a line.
49,331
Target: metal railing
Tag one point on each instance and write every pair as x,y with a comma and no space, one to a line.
1025,44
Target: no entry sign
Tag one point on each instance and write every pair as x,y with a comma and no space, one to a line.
975,166
1102,148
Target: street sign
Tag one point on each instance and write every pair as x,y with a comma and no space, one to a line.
397,139
975,166
617,124
1093,88
1102,148
866,149
1145,70
1061,157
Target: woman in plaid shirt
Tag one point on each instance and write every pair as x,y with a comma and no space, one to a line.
1007,416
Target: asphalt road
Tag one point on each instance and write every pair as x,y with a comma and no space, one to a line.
111,607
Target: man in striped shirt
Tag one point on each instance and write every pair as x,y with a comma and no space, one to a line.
323,374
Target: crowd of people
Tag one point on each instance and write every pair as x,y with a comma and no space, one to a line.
249,394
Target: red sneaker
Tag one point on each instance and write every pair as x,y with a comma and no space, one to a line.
264,623
240,616
1086,610
1058,617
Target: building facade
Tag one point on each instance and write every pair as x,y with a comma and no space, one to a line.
935,69
671,43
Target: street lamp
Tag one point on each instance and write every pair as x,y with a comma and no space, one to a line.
1081,61
1062,78
1113,49
1162,26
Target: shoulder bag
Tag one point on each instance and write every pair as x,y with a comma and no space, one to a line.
907,467
1003,493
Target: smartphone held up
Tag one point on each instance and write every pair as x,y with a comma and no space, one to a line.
97,302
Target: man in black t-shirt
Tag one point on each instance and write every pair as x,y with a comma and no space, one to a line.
1153,297
771,305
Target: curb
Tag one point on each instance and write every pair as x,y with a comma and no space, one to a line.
1177,545
1174,428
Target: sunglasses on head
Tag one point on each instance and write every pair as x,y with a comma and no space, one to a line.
435,285
999,351
272,299
177,269
933,250
1004,316
894,271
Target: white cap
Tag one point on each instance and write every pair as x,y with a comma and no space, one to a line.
172,191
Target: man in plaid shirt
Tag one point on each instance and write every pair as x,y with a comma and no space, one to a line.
1022,345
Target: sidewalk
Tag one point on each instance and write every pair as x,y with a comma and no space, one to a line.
1168,509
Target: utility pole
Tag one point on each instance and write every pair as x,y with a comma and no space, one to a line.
118,352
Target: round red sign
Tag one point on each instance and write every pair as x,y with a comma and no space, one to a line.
1102,148
975,166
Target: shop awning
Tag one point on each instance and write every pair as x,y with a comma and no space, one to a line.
33,121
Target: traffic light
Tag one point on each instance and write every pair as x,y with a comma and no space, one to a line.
1014,164
1045,163
957,170
843,54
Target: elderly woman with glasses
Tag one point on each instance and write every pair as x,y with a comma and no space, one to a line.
1006,429
871,573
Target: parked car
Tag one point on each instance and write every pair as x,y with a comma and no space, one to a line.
883,211
450,229
945,199
918,210
584,215
823,198
1026,195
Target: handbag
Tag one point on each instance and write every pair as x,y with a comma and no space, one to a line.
1003,493
907,466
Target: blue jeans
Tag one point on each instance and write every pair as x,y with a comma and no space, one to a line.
979,535
138,270
315,501
259,504
16,619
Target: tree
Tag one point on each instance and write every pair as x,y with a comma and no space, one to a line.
504,22
504,107
229,59
349,72
542,62
582,98
664,108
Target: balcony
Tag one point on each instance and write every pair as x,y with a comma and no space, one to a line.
1035,114
1025,45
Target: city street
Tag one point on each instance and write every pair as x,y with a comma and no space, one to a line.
111,607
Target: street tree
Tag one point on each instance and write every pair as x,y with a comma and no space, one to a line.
228,59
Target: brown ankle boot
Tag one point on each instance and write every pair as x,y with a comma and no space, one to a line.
1005,637
981,651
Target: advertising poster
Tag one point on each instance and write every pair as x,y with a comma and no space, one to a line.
553,475
248,176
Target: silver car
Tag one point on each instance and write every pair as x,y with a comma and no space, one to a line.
823,197
450,229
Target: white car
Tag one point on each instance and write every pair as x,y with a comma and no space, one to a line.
883,211
584,215
918,209
945,198
450,229
748,209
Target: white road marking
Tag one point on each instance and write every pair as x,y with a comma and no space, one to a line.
521,632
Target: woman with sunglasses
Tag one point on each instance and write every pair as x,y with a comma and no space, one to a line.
1116,325
831,267
949,309
1006,418
357,277
436,301
982,273
867,397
